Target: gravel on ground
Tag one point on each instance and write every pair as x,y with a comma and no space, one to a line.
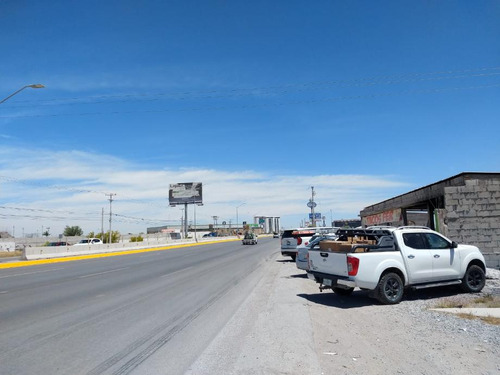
287,326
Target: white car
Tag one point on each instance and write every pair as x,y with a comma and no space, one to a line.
302,260
89,241
292,238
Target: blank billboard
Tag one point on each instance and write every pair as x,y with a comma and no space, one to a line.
185,192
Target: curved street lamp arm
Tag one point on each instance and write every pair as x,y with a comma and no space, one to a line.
34,86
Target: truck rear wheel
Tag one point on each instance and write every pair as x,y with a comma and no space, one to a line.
474,279
390,289
342,291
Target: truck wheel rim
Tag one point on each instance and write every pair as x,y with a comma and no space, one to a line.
392,289
474,279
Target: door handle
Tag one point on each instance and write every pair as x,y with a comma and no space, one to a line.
324,255
437,255
411,256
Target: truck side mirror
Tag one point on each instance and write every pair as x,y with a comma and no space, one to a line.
454,245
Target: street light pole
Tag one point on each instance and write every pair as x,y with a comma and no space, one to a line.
237,215
34,86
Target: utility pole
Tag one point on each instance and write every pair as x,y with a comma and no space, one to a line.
182,222
312,206
186,228
102,224
110,195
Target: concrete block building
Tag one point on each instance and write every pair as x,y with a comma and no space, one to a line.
465,208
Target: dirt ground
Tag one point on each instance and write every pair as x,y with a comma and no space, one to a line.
286,326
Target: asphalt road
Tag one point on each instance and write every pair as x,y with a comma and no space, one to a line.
149,313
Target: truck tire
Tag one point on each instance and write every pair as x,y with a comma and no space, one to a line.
474,279
293,257
342,291
390,289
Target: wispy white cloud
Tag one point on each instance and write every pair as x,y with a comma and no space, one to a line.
71,186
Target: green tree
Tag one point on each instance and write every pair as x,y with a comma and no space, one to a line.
72,231
115,236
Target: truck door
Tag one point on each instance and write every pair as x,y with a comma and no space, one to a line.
417,257
445,260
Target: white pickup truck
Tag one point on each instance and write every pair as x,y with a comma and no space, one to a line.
402,257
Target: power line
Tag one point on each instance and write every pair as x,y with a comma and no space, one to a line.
287,88
126,198
264,105
87,216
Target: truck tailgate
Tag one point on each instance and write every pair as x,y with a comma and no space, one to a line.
334,263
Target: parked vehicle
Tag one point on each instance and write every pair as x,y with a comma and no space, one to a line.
59,243
388,261
302,260
89,241
276,235
249,239
292,238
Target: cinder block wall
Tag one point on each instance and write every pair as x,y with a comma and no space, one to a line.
473,216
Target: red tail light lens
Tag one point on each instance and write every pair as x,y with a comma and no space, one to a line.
352,265
299,241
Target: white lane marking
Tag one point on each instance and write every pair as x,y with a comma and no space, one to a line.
31,273
102,273
173,273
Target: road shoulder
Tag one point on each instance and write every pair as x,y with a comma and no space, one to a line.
270,333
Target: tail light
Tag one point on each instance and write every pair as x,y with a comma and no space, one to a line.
352,265
299,241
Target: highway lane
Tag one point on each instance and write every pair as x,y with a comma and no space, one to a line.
148,313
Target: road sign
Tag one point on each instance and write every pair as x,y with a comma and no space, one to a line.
311,204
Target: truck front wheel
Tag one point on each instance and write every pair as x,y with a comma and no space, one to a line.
474,279
390,289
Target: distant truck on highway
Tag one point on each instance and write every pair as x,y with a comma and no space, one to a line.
249,239
388,261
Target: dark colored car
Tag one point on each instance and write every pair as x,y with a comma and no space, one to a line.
60,243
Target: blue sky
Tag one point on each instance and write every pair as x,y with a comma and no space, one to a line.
258,100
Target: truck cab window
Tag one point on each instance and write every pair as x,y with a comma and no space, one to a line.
436,242
414,240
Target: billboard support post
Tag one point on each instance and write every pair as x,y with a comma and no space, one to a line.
183,194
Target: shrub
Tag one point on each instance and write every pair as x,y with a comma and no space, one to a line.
136,239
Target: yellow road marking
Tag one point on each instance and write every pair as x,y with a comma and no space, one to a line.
37,262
